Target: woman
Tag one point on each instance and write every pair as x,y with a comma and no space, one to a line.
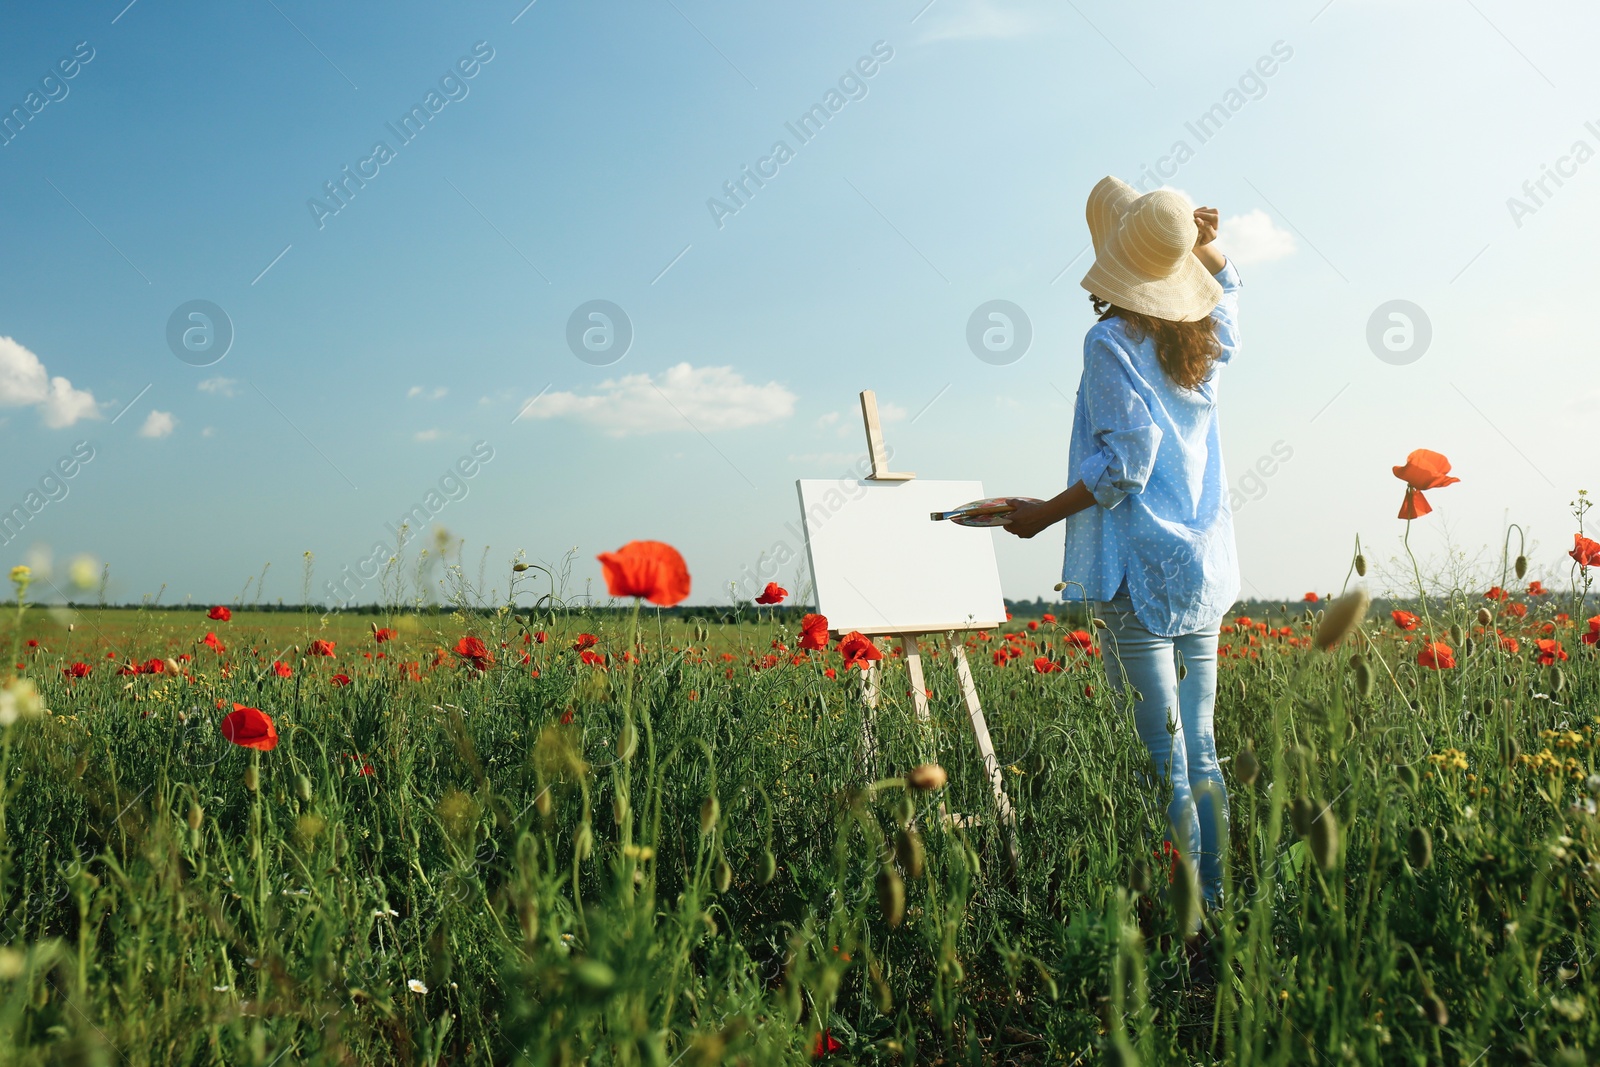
1149,529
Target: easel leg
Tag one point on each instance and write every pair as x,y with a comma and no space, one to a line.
919,688
869,742
991,763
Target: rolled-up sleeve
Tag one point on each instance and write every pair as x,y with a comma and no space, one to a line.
1125,436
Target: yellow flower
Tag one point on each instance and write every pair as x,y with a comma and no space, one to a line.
22,574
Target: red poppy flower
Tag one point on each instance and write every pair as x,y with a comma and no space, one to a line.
320,647
219,613
1517,610
384,634
283,670
585,641
411,671
592,658
473,651
1437,656
130,668
773,594
1047,617
814,632
1422,470
830,673
647,569
1405,619
339,679
210,641
1495,593
858,650
1000,658
1585,551
1046,665
250,728
33,642
1593,636
1550,650
541,637
825,1046
1312,598
155,666
1537,589
1079,639
77,670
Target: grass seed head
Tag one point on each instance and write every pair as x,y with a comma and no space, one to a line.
927,777
197,815
723,875
1437,1013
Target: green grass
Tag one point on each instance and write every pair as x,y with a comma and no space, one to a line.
541,854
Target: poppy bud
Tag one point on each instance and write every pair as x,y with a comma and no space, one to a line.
1408,776
1419,848
710,811
252,778
1455,634
582,842
1342,618
1099,624
1301,814
881,988
723,876
891,896
197,815
1558,679
1325,840
1245,765
1361,565
1522,567
908,852
302,786
1183,671
767,867
619,807
1484,618
928,777
1438,1014
518,568
1060,586
1186,898
627,742
1363,675
542,803
905,811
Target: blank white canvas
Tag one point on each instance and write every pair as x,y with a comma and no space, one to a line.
882,566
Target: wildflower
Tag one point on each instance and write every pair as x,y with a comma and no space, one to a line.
829,673
773,594
1437,656
77,670
1510,644
281,669
1585,551
1047,618
1516,611
1537,589
1593,636
339,680
1495,593
591,658
1311,598
211,641
1046,665
814,632
648,569
474,652
250,728
825,1045
384,634
1405,619
1550,650
1423,469
320,647
858,650
220,614
585,641
19,699
416,986
1078,639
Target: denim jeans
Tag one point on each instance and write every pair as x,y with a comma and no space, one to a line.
1174,718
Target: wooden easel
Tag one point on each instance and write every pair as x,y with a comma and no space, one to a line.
913,659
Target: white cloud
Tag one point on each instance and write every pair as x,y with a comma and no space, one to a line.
209,431
25,383
425,436
219,386
158,424
435,393
978,20
683,398
1254,238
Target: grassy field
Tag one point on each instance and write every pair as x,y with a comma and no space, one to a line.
668,843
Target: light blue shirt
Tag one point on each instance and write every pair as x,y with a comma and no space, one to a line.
1151,454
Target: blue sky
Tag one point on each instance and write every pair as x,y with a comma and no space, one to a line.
375,347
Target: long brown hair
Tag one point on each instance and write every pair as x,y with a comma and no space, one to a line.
1186,349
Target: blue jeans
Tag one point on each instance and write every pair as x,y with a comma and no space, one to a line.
1174,720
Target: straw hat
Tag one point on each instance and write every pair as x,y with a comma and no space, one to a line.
1142,259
